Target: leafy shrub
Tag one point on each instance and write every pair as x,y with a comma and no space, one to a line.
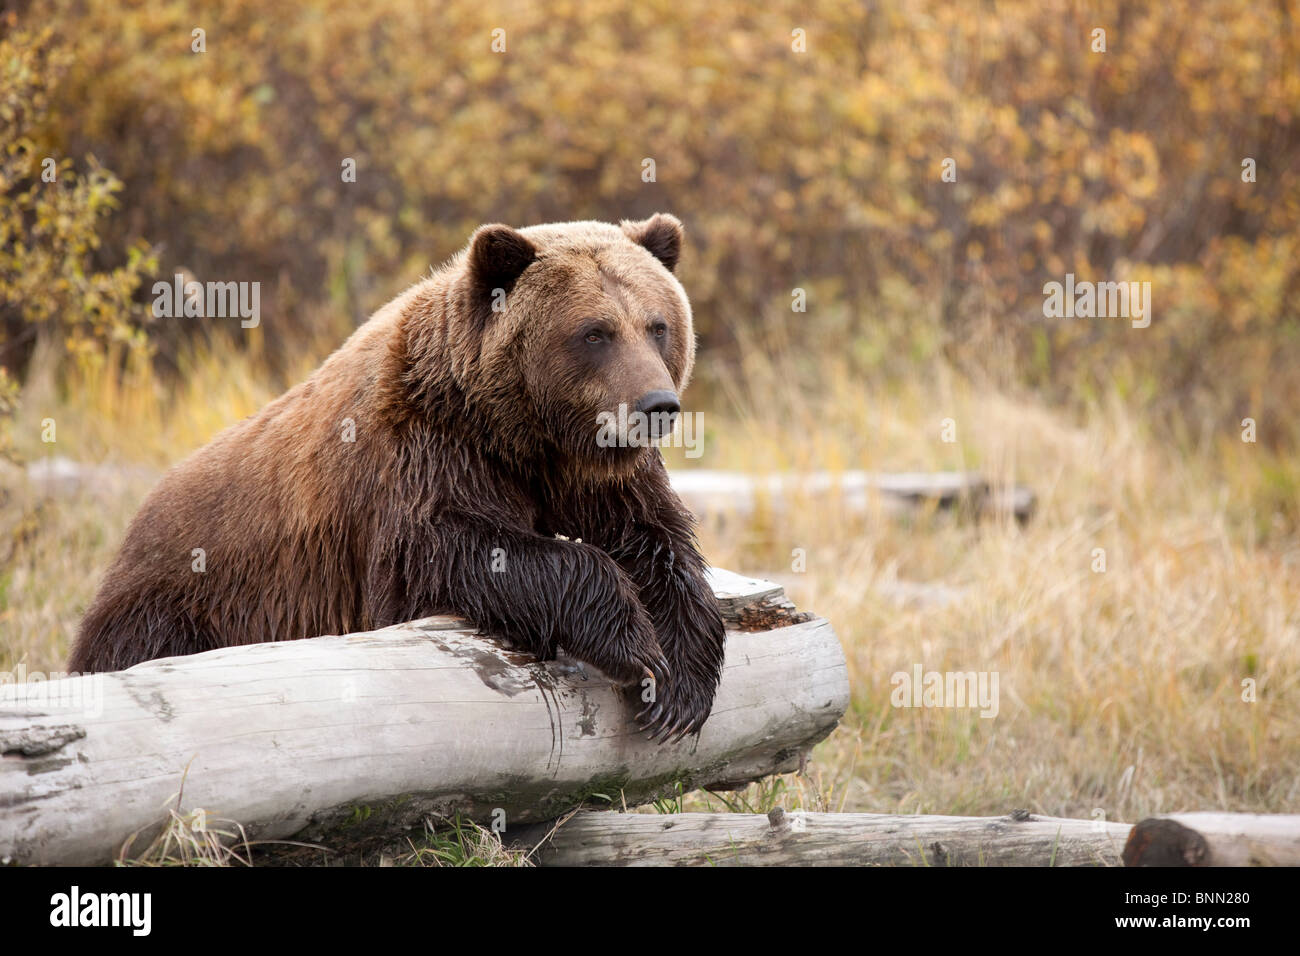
50,222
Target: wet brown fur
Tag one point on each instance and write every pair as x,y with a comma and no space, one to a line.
474,431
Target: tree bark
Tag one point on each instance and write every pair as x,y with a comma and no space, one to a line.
825,839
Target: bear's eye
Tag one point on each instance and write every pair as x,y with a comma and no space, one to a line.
594,336
660,329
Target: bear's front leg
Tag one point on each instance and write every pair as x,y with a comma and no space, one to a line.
669,572
536,592
651,535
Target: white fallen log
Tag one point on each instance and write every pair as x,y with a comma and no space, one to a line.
825,839
858,839
302,738
711,493
706,492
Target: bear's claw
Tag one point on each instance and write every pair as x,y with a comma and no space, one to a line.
665,724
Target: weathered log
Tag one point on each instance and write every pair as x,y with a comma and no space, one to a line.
705,491
1215,839
306,738
710,493
824,839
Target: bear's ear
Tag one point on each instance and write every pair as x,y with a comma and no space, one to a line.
661,234
497,255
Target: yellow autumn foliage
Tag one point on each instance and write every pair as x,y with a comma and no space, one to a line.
803,144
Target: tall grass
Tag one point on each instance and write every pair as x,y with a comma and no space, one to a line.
1121,689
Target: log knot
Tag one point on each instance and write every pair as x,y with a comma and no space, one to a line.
37,741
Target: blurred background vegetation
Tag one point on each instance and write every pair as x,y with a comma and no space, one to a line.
818,170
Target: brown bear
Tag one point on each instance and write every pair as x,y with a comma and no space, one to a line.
448,458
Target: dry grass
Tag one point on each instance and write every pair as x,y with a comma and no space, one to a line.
189,838
1120,690
456,843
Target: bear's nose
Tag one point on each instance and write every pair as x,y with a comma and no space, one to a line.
661,408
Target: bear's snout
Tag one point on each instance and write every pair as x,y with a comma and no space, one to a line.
660,407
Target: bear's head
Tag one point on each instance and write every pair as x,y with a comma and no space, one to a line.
576,337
